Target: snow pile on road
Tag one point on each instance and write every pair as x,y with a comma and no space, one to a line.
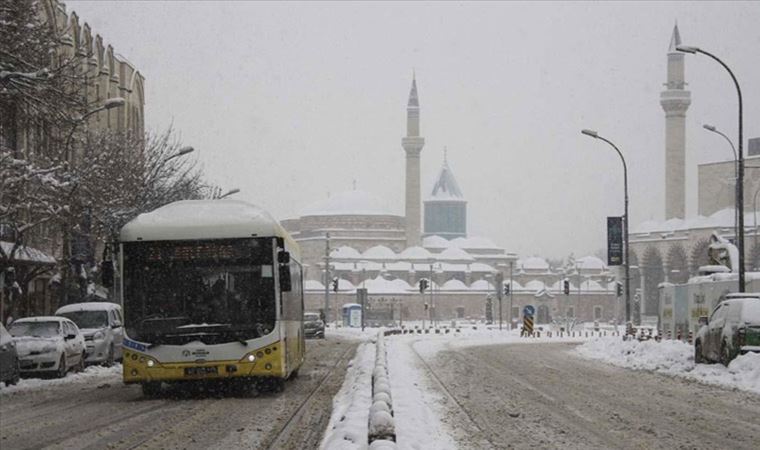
349,421
92,374
674,358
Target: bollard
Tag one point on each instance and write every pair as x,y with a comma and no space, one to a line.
678,334
691,337
669,335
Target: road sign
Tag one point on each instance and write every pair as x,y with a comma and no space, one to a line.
614,241
529,310
527,329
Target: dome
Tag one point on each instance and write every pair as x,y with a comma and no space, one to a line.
591,263
349,203
415,253
344,285
380,285
379,252
533,263
480,267
454,285
474,242
455,254
313,285
435,242
534,285
345,252
481,285
591,285
647,227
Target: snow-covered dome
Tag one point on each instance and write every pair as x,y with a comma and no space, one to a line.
649,226
474,242
379,252
481,285
344,285
314,285
415,254
534,285
533,263
481,267
345,252
380,285
455,254
454,285
591,263
435,242
591,285
349,203
722,218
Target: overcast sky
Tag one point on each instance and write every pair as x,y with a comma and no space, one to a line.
292,101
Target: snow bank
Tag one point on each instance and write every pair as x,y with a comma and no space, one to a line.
674,358
91,375
348,426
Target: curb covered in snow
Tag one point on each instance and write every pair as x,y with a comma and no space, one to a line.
382,431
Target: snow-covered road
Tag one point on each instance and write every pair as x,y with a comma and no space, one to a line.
95,410
542,395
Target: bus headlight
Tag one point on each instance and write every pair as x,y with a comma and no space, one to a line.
251,358
151,363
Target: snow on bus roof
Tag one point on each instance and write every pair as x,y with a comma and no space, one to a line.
194,219
87,306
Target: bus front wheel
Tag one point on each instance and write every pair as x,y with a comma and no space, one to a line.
151,388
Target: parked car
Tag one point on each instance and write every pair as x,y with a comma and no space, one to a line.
313,326
102,327
9,363
733,328
48,344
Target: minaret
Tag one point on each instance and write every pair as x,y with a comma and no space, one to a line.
675,100
413,144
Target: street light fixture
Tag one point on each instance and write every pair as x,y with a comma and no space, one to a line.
740,159
595,135
736,168
183,151
228,193
108,104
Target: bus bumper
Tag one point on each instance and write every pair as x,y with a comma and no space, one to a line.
139,367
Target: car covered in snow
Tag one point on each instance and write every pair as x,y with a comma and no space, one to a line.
733,328
9,363
313,326
48,344
102,327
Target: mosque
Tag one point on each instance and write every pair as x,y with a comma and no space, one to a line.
369,246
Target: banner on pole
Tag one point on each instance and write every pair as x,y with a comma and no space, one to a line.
614,241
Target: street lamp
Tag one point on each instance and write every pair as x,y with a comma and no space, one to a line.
736,168
740,159
108,104
183,151
595,135
228,193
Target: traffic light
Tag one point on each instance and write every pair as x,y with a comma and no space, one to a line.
619,290
506,288
335,284
566,286
423,285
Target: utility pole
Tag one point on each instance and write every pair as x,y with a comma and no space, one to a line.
327,278
499,282
511,289
432,300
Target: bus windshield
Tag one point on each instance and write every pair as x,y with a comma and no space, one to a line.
213,291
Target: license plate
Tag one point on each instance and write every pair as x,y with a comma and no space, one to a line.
196,371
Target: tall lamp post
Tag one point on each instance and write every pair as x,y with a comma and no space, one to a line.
740,158
595,135
108,104
228,193
713,129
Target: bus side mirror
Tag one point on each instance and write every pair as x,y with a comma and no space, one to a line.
283,257
285,284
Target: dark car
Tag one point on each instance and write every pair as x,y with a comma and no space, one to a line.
313,326
9,363
732,329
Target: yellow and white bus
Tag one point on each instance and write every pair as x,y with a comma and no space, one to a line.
211,289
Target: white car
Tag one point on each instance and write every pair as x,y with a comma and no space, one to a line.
102,327
48,344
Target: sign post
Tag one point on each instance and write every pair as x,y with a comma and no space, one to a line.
361,295
528,312
499,293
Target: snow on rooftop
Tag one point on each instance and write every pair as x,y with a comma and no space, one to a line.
480,267
435,242
719,219
313,285
455,254
89,306
534,285
379,252
210,219
454,285
415,254
349,203
27,254
380,285
345,252
474,243
481,285
533,263
591,263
